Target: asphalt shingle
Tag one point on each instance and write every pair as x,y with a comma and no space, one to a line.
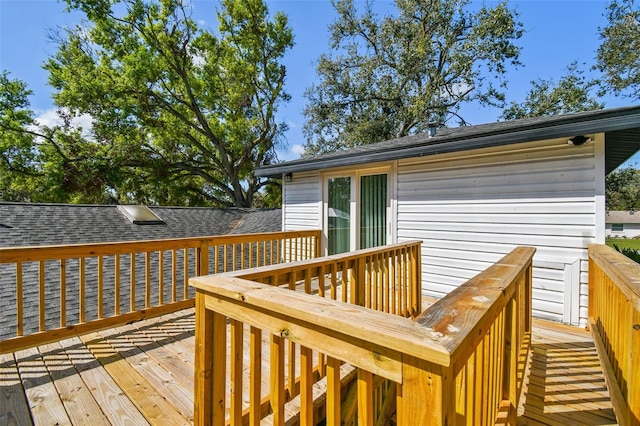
24,224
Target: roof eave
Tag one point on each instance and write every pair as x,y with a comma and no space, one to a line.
587,124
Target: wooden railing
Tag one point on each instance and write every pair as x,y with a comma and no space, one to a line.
614,320
62,291
461,361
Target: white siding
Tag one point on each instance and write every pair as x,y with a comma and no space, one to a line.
302,202
629,230
470,211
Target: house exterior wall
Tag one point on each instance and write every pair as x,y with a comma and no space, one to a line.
302,202
629,230
469,211
471,208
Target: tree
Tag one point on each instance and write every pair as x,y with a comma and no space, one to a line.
46,164
16,158
618,57
185,112
392,76
546,97
623,189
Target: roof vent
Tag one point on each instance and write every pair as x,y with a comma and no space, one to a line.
140,215
432,128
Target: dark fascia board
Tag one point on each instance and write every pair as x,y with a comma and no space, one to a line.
499,134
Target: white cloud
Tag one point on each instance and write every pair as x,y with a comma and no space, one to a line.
297,149
50,118
198,60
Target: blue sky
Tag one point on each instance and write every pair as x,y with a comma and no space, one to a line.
557,33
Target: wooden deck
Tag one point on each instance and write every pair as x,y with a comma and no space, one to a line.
143,374
564,383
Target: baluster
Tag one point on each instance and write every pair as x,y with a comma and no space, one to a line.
116,284
255,375
100,287
63,292
365,398
160,277
236,371
147,279
19,308
185,274
277,380
132,283
42,295
174,275
333,391
306,386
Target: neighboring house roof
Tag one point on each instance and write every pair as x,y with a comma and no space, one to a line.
621,125
622,216
23,224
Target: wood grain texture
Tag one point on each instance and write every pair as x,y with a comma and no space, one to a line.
77,399
115,404
151,403
564,383
45,404
14,410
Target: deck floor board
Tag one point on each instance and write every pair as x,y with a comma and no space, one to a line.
564,382
142,373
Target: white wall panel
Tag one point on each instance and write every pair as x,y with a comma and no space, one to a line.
469,211
302,202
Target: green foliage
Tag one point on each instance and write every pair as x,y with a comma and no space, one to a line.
618,56
547,97
181,115
46,164
632,254
16,157
623,189
391,76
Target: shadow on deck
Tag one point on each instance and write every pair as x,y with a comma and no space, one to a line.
143,373
565,384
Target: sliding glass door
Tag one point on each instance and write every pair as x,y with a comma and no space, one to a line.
373,211
339,215
357,207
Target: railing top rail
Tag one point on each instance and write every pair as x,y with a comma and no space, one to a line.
265,271
50,252
461,318
388,334
624,272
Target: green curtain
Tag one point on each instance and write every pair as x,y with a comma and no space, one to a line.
373,211
339,215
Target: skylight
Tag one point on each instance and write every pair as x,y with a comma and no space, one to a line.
140,215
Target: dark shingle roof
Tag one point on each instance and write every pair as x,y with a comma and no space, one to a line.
621,125
23,224
61,224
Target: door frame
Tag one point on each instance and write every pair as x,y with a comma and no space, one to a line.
354,205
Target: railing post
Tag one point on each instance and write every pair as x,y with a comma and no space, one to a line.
426,395
210,365
317,238
202,253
